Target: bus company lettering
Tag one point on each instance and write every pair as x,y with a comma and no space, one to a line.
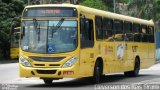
108,49
134,48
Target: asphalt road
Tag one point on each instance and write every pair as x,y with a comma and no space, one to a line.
9,80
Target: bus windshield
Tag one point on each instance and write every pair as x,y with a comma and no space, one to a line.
50,36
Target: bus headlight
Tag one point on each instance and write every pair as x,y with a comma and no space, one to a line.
70,62
24,62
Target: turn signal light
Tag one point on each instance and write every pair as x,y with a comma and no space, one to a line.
68,72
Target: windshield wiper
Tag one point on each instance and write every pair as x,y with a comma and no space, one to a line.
36,27
39,27
35,24
55,28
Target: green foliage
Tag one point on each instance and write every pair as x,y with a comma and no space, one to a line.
8,10
98,4
157,9
126,1
109,4
146,9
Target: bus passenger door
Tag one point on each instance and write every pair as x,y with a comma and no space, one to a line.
87,44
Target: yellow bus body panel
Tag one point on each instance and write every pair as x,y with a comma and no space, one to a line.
14,53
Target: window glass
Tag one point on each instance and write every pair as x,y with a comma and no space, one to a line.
49,36
128,27
87,34
118,30
128,31
151,34
108,29
136,28
137,32
144,33
99,30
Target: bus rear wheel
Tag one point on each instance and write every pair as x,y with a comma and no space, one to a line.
135,72
97,73
48,81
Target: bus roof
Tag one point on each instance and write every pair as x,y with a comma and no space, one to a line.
97,12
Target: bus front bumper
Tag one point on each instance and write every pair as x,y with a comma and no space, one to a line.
55,73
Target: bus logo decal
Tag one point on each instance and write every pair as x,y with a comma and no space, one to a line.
120,51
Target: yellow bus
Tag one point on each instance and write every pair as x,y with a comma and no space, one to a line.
73,41
14,48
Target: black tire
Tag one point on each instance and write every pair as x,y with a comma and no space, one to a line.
135,72
48,81
97,73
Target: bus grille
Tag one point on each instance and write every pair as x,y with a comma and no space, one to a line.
52,65
46,71
39,64
47,59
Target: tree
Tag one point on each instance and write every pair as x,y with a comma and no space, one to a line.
156,10
109,4
8,10
157,14
141,8
146,9
98,4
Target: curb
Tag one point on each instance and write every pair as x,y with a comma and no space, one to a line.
157,61
8,61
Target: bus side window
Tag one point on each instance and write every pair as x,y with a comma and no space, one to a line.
128,31
118,30
87,33
137,32
99,30
144,33
108,29
151,34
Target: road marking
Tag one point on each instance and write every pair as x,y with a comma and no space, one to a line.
151,81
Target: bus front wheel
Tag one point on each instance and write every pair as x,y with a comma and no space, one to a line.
97,73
